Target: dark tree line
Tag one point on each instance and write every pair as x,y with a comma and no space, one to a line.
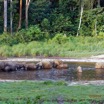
50,15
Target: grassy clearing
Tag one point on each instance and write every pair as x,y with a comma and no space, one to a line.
49,93
80,46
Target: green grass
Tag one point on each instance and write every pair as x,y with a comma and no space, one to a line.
49,93
73,47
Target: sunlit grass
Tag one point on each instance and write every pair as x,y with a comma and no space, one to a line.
48,92
73,47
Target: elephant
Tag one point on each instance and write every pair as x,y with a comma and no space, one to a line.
11,66
57,63
62,66
2,66
44,65
99,65
49,65
30,67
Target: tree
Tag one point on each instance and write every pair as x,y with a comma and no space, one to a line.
5,15
98,3
88,4
20,15
11,17
81,12
26,13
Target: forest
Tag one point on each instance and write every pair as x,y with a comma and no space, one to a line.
51,21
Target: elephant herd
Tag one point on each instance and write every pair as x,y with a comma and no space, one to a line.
14,66
57,64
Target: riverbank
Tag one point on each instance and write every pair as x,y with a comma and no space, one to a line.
69,83
48,92
93,59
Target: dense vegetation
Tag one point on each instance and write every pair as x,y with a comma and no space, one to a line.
54,22
58,46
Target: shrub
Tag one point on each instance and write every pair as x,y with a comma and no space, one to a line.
19,50
6,38
45,24
33,33
101,35
60,38
5,51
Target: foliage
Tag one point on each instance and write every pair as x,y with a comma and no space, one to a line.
33,33
60,38
92,22
49,17
6,38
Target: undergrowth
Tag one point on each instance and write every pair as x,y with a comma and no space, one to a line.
58,46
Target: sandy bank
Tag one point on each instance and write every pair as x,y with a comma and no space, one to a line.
91,59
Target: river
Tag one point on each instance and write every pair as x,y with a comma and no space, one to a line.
89,73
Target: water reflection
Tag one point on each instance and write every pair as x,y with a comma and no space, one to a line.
99,74
71,74
79,76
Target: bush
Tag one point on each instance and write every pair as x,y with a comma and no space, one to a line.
6,38
5,51
33,33
60,38
100,35
19,50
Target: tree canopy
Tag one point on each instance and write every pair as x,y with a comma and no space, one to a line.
53,16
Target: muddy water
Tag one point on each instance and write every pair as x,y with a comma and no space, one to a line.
70,74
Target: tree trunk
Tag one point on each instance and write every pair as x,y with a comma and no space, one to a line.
98,3
11,17
5,15
80,21
20,15
26,13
